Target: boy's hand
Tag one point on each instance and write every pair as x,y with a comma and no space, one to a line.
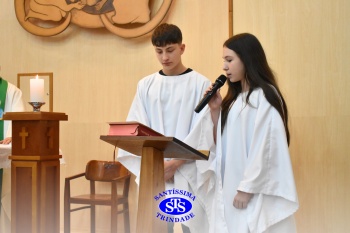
170,168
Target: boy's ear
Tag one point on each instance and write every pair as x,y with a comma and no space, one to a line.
182,47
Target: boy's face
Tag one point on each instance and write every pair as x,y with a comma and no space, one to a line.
170,57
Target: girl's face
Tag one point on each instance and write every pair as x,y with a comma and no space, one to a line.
233,66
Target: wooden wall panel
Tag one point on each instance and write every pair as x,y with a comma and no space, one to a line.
306,43
95,75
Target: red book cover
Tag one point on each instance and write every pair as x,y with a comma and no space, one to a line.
131,128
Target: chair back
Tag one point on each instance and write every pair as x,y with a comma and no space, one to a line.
97,170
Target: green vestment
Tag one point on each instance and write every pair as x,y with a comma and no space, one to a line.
3,91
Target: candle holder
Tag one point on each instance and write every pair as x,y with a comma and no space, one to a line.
36,106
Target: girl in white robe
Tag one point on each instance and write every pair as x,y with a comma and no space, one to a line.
255,189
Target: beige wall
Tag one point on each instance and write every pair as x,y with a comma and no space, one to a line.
96,72
307,44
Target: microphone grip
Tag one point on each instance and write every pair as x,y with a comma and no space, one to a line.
204,101
218,83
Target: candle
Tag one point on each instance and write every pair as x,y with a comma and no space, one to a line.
36,90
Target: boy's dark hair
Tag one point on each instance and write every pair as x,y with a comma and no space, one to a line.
166,34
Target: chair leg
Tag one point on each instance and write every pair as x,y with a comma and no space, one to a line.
66,213
126,218
92,218
66,221
114,218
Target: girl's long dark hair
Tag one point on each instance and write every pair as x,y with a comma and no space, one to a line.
258,75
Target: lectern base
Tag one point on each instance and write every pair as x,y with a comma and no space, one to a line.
151,184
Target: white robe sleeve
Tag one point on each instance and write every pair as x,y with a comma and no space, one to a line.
201,138
269,172
198,174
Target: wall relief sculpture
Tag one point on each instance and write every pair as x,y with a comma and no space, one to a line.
124,18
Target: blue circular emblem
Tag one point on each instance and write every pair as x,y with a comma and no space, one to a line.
175,206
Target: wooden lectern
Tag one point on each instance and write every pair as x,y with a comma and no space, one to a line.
153,150
35,171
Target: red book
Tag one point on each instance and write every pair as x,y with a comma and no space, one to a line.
131,128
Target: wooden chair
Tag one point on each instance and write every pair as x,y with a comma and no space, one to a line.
100,171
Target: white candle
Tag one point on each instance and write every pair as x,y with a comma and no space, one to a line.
36,90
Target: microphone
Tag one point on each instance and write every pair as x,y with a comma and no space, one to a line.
220,81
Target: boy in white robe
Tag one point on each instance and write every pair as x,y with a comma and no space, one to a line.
165,101
255,190
13,103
